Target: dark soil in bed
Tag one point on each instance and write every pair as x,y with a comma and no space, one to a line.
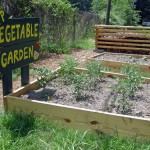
124,58
100,98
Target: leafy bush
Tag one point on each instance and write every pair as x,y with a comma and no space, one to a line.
128,87
134,78
53,48
78,84
45,76
94,73
56,19
67,69
80,81
122,12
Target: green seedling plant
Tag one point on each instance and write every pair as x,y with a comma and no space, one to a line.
78,84
94,73
69,76
133,78
128,87
122,89
67,69
44,76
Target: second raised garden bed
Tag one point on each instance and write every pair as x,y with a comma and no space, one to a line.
117,60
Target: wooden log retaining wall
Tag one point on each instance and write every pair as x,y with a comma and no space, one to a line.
129,39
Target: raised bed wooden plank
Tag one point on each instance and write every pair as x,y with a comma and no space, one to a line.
127,27
117,65
121,31
84,119
122,48
122,40
118,35
123,44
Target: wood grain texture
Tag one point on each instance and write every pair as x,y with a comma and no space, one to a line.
121,31
124,35
127,38
122,48
122,27
123,44
84,119
117,65
122,40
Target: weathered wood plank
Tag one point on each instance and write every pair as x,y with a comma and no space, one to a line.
122,40
122,48
127,37
121,35
122,31
127,27
123,44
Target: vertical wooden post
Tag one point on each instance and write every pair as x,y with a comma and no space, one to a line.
108,12
7,83
74,27
24,75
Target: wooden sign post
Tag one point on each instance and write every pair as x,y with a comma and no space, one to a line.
18,47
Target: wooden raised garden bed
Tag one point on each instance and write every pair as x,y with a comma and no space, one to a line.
117,60
127,39
80,118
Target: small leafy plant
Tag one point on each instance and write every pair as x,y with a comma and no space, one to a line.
67,69
69,76
78,85
94,72
128,87
45,75
133,78
122,89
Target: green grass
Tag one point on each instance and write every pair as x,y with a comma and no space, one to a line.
16,73
85,44
26,132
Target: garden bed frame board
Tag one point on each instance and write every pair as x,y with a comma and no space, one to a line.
118,64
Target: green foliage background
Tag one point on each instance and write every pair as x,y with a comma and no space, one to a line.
122,11
64,21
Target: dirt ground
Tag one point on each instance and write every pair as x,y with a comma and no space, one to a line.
101,97
52,61
125,58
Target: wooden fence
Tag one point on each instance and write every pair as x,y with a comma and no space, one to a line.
129,39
